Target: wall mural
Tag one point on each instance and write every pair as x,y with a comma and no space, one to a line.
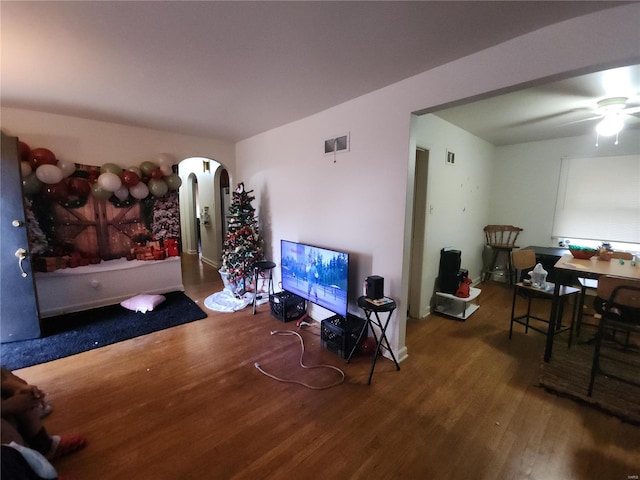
81,214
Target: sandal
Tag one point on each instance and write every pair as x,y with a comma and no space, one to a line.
65,445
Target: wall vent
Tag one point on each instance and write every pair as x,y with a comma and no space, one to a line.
451,158
336,145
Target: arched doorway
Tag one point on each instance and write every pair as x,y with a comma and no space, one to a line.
204,199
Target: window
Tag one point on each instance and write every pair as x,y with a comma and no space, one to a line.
599,199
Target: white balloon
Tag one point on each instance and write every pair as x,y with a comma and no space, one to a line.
139,191
166,170
25,169
67,167
165,159
50,174
122,193
109,181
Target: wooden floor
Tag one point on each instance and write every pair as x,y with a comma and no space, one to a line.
188,403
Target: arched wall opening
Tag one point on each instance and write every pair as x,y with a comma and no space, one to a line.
203,194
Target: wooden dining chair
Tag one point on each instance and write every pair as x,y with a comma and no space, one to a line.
589,287
523,260
501,239
619,305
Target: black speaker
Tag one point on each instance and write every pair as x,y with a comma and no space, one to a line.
448,278
375,287
450,261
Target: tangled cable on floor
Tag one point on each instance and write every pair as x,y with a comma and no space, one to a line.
284,380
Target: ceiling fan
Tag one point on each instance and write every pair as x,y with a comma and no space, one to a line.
612,113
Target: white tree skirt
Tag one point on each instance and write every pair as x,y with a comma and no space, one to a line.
227,301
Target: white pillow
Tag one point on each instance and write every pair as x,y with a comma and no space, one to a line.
143,303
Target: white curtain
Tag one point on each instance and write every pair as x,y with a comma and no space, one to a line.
599,199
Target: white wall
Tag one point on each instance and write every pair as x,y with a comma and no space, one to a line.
93,142
526,180
362,203
458,198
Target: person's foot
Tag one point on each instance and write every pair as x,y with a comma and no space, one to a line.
64,445
45,410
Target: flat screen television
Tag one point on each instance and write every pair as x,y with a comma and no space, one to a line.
319,275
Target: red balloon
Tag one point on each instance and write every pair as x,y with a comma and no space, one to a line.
157,174
57,191
79,186
93,175
368,346
24,151
129,178
42,156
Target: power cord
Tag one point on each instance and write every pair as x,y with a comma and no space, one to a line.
312,387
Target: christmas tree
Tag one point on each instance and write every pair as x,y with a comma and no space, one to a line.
38,242
166,217
243,243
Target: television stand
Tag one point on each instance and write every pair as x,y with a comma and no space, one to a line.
286,306
460,308
341,335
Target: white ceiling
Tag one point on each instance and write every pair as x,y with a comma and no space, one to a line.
230,70
564,108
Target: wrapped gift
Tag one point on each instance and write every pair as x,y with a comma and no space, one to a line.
171,245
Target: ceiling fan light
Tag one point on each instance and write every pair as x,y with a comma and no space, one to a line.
610,125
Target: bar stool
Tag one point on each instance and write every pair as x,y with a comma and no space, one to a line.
262,268
501,239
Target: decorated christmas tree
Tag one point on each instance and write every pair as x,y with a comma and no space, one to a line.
38,242
166,217
243,243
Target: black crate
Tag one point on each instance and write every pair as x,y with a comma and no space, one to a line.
286,306
339,335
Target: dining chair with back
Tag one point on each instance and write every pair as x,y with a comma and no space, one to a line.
523,260
589,288
619,306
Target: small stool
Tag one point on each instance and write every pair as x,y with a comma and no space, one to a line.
372,312
261,268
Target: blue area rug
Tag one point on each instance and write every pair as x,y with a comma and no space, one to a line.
77,332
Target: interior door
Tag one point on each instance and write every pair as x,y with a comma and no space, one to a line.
19,317
418,240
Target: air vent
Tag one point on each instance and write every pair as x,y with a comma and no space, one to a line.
336,145
451,158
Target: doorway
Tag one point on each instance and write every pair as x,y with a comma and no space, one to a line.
418,235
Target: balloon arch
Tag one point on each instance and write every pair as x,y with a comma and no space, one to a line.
61,181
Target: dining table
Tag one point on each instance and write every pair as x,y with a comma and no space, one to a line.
568,268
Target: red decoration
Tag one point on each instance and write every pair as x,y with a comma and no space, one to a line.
172,247
42,156
79,186
24,151
157,174
130,178
57,191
